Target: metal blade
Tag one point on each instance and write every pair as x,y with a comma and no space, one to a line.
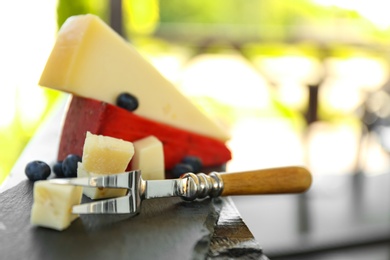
160,188
121,205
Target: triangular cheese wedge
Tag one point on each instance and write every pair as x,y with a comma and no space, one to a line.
89,59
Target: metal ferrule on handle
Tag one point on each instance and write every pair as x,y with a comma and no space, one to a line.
192,186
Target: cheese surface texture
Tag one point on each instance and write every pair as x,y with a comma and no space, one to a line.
104,155
89,59
149,158
52,206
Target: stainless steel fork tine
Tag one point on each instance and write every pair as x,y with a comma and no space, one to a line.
122,180
128,204
121,205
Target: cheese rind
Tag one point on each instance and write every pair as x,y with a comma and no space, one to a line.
89,59
149,158
104,155
85,114
52,206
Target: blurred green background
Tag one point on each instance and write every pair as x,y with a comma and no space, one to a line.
293,45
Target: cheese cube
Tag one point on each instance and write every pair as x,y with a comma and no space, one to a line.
52,206
104,155
149,158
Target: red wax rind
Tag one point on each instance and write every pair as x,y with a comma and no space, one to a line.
86,114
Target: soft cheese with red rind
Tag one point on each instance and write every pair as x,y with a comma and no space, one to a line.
97,117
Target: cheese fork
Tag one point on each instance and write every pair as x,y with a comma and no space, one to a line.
189,186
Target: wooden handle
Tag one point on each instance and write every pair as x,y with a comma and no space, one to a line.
267,181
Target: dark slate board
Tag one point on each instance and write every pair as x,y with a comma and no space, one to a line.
165,229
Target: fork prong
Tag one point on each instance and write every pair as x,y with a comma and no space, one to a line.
125,180
121,205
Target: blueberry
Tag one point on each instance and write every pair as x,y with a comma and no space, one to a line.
194,161
37,170
127,101
69,165
180,169
57,169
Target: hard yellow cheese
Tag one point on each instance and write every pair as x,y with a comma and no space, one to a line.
149,158
52,207
104,155
89,59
